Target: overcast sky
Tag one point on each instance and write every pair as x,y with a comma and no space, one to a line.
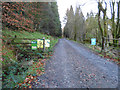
88,6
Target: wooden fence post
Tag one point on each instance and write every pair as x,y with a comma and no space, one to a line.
43,44
119,42
16,50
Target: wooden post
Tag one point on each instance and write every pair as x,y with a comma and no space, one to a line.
119,42
16,50
43,44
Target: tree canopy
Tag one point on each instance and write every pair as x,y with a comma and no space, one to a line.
35,16
75,24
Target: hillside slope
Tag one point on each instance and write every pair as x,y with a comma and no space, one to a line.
20,67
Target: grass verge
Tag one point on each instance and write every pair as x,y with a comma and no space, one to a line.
97,50
21,72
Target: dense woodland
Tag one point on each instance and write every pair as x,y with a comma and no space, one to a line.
75,25
41,19
38,16
23,22
97,26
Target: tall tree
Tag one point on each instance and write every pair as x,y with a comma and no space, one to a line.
115,25
91,26
69,27
75,24
79,25
35,16
103,30
55,18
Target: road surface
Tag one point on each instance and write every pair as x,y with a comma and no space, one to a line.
74,66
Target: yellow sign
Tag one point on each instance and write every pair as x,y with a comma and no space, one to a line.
40,43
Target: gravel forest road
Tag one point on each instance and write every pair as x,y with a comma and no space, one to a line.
75,66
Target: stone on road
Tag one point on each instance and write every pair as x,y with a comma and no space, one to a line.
74,66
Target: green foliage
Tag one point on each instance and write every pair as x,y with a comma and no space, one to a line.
40,55
36,16
97,50
75,24
101,55
13,75
50,23
8,57
91,26
17,70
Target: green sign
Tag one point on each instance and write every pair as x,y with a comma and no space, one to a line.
34,45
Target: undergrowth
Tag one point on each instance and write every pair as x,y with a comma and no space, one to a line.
16,70
107,54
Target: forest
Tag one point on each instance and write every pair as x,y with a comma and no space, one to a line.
22,23
25,22
42,17
105,29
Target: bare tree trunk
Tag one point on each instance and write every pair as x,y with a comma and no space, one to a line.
103,31
115,27
118,22
105,27
100,27
119,19
113,23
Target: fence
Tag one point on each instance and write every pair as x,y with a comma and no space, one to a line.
24,46
109,46
108,41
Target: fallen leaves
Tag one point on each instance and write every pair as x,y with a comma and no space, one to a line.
30,78
30,86
38,67
26,80
117,60
19,84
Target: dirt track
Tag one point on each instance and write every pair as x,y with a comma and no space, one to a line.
74,66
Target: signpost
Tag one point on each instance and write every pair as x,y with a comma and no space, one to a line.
93,42
40,43
43,44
